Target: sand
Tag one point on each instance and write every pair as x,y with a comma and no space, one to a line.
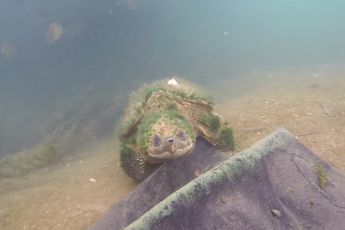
70,196
313,109
76,192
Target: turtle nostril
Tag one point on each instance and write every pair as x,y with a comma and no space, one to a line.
171,140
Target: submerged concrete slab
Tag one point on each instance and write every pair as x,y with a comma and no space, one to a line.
272,185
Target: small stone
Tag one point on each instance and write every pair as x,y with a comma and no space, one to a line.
92,180
276,213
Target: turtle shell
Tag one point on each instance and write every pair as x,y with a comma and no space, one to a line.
159,96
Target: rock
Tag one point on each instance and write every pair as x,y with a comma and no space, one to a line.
276,213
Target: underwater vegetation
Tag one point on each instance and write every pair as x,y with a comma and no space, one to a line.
85,119
322,177
125,154
211,120
144,130
191,94
138,99
22,163
226,139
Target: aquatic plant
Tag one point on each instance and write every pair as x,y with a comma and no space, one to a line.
321,174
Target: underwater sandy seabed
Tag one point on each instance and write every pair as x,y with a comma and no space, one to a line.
74,194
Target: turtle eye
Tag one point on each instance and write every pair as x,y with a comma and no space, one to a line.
156,140
181,135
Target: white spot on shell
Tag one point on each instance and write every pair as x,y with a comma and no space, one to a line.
172,82
92,180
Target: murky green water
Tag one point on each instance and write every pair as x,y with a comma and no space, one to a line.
68,67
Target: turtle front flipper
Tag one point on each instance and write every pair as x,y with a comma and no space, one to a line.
134,164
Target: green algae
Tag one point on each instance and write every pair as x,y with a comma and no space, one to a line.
173,116
138,100
211,120
322,177
22,163
226,139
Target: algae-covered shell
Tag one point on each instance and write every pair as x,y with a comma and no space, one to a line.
162,121
140,104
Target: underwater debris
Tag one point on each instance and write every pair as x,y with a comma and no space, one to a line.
252,130
276,213
8,50
307,134
326,110
55,32
197,172
131,4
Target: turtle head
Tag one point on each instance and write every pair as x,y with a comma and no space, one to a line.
166,135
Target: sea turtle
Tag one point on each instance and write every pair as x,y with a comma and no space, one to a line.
162,121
